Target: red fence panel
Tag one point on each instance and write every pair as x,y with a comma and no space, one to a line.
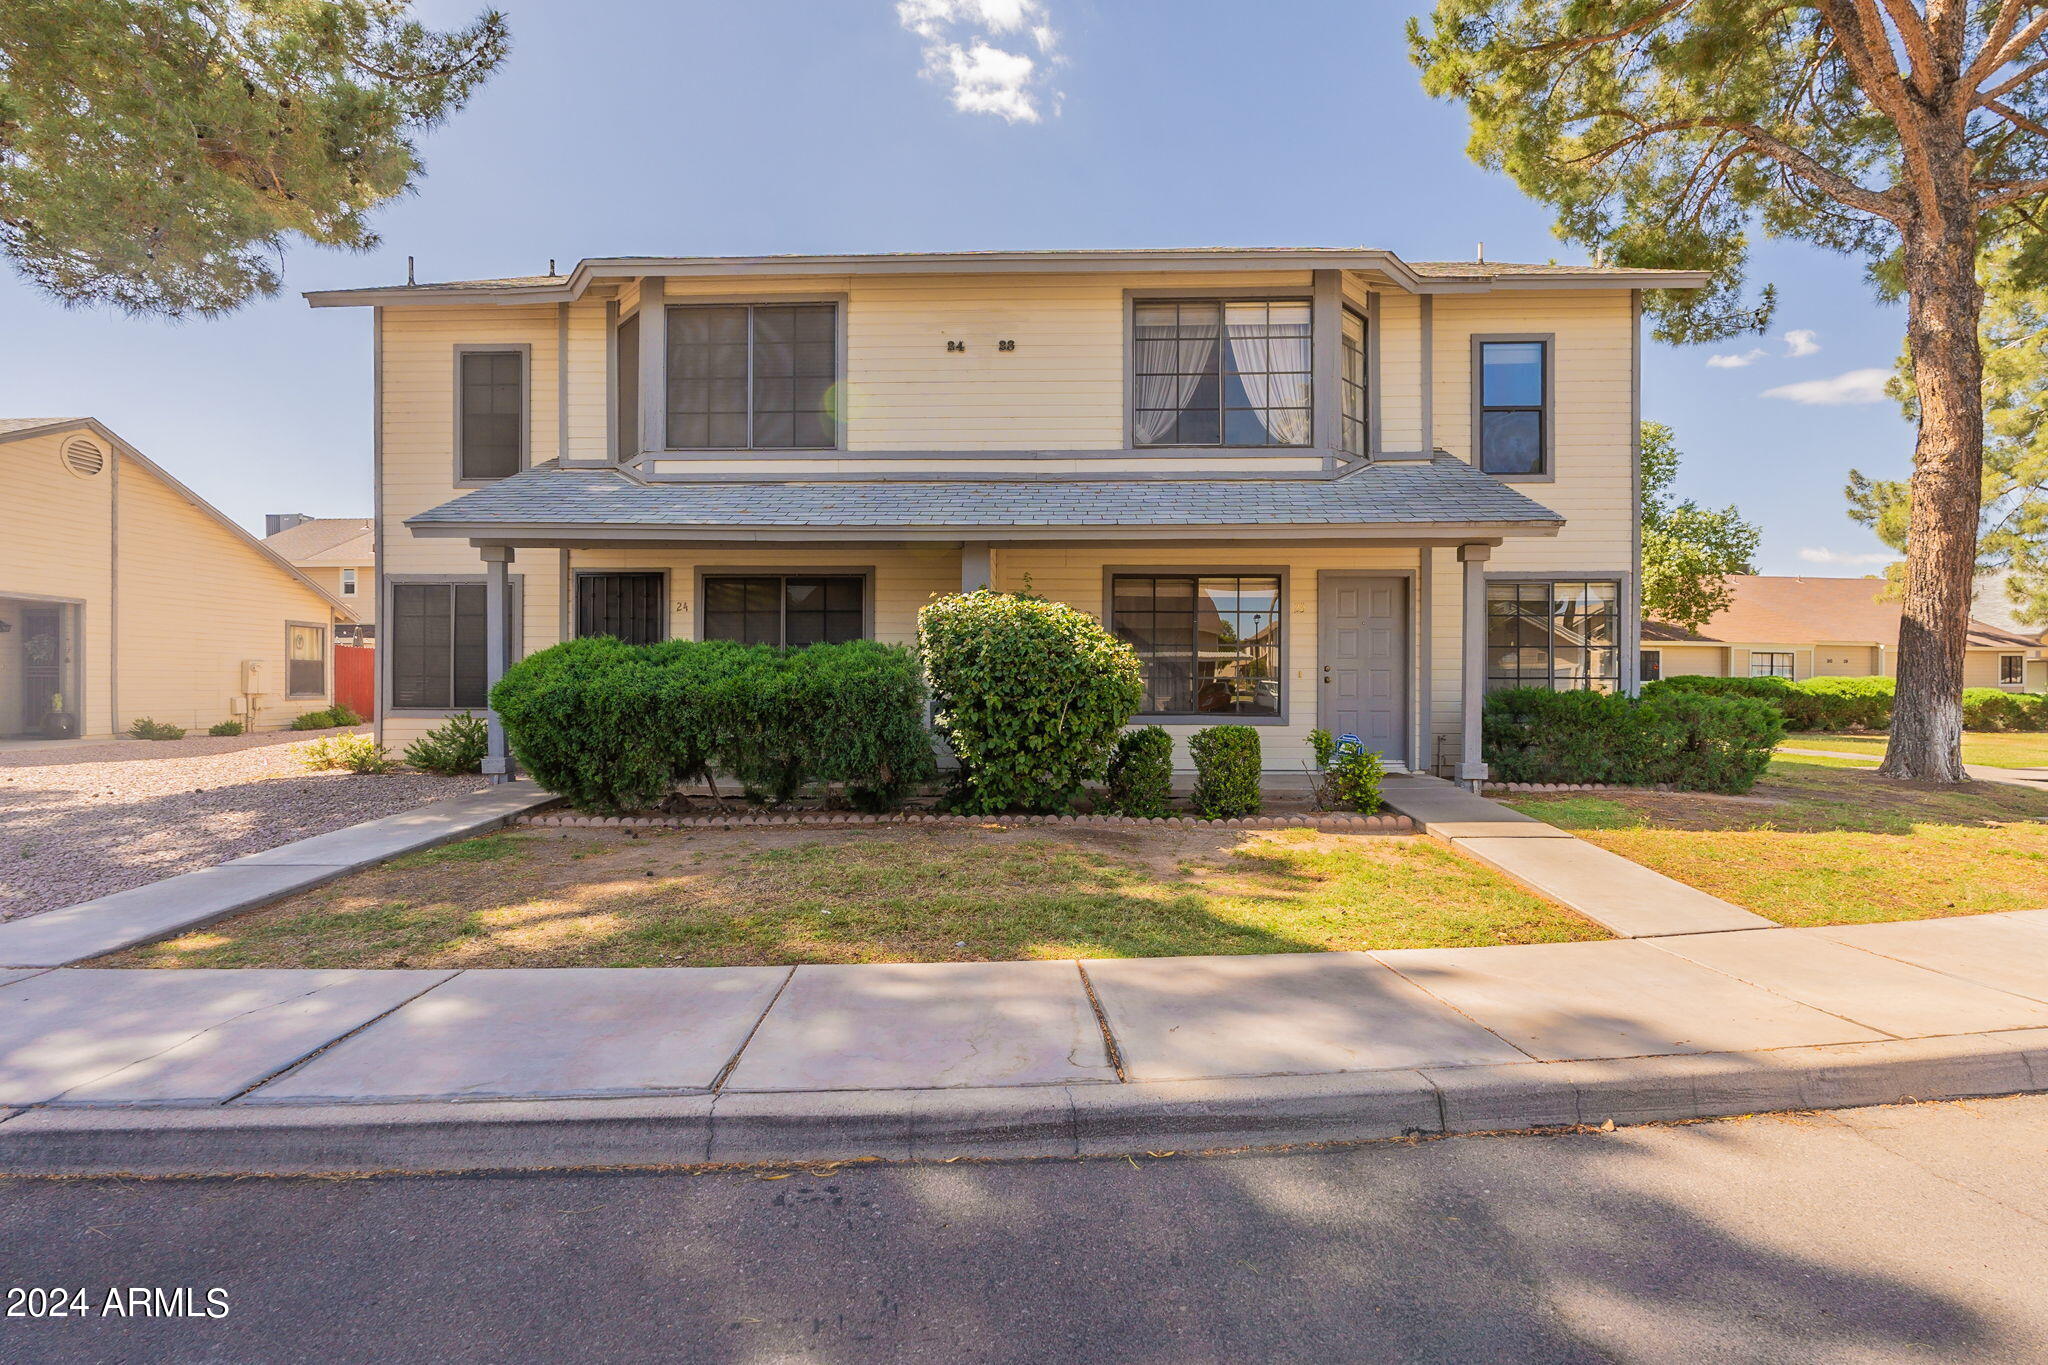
355,678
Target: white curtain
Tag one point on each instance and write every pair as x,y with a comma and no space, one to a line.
1171,366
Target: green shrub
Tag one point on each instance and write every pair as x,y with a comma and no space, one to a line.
344,715
1688,738
1824,703
356,753
615,727
455,747
1323,745
1141,773
145,728
1355,774
1988,708
1031,696
1226,771
327,718
225,728
1766,689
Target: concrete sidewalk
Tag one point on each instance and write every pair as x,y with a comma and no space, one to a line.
281,1070
1625,898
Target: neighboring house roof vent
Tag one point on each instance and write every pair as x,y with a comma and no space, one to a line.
83,458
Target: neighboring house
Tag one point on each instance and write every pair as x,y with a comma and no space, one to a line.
338,553
1312,487
123,594
1820,627
1992,603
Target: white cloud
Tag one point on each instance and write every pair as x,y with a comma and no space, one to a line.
1857,386
1816,554
1734,361
976,46
1801,342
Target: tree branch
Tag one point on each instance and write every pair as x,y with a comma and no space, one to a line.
1879,203
2014,82
2015,117
2011,194
1997,54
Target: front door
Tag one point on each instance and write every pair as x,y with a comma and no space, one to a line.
1362,661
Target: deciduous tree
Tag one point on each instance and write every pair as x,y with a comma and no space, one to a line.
1688,550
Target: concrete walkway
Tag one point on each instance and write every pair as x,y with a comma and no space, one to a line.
1625,898
175,904
306,1070
2036,778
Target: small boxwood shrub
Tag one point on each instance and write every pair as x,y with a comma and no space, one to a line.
225,728
327,718
1031,695
355,753
1226,771
1689,739
145,728
1355,775
1141,774
453,748
617,727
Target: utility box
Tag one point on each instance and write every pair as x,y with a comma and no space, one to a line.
253,675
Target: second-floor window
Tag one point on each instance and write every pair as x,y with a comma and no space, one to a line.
348,582
752,376
1352,376
1220,373
490,435
1513,419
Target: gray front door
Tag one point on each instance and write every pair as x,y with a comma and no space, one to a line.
1362,661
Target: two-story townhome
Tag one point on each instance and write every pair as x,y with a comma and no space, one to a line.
1312,487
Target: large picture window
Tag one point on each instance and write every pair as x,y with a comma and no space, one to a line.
1559,634
1210,373
1210,643
438,659
753,376
784,609
490,435
1514,395
305,661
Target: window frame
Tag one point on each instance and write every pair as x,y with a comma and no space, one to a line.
865,573
1203,719
524,350
2019,669
1136,298
1622,635
322,632
387,649
1790,656
654,405
1368,388
662,598
1547,427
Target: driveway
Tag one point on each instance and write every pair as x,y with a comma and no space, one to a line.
81,821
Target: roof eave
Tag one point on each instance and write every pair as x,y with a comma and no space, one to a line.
527,533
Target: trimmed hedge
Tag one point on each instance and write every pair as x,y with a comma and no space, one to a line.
1141,774
1832,703
614,726
1031,696
1687,739
1990,708
1226,771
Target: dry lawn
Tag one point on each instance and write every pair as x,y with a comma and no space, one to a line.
1992,749
710,898
1828,842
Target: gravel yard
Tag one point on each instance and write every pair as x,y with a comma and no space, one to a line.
81,822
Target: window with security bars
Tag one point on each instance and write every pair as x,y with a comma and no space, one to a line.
305,661
1561,634
492,435
438,651
1209,643
784,609
753,376
1352,373
1211,373
625,606
1770,664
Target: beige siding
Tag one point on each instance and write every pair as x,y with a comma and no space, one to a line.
363,605
1980,668
1701,661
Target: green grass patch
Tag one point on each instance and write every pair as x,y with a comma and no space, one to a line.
1992,749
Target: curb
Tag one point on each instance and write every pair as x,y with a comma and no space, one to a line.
1025,1121
1347,824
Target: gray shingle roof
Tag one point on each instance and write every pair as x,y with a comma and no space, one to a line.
1445,490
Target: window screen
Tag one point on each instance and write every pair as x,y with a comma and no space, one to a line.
438,658
493,417
774,609
1512,393
1210,373
306,652
1209,643
752,376
1553,634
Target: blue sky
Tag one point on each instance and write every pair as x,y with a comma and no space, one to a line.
838,125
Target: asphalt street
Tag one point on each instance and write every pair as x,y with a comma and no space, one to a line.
1915,1233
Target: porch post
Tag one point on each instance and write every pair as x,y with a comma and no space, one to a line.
1471,766
974,566
497,582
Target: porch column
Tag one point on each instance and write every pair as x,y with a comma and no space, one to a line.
497,584
1472,767
974,566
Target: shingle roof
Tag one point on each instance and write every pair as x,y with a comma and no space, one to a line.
1794,610
9,425
1443,491
325,540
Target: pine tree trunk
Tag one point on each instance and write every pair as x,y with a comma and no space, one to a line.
1944,302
